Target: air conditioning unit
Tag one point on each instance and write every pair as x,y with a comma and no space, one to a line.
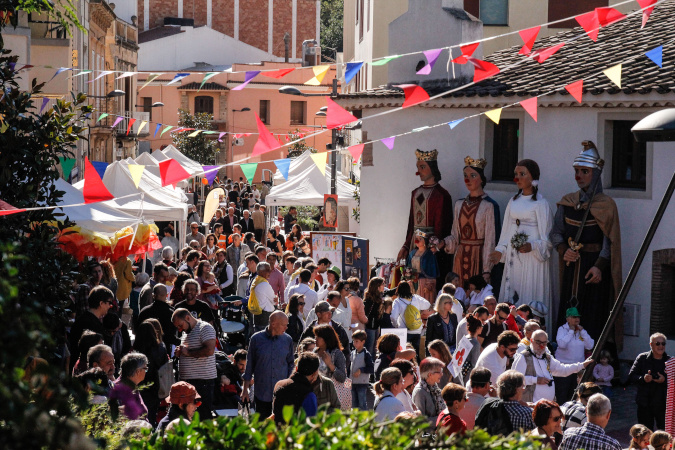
311,53
631,319
238,142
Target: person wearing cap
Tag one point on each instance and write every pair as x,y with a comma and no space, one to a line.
573,342
591,268
183,400
539,368
332,276
323,313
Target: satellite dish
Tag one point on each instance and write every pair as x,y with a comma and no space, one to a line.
238,142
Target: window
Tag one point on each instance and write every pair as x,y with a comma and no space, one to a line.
629,158
494,12
505,149
204,104
560,9
264,111
147,105
298,113
360,17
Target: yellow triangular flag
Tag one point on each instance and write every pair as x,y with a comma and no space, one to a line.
194,133
143,124
136,171
494,115
614,74
319,73
320,161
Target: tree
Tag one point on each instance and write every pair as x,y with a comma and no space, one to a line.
332,14
199,148
299,147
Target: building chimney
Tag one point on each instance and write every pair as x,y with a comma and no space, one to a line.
287,40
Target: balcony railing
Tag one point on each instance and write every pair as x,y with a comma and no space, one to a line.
133,132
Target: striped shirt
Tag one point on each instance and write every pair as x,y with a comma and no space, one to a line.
191,368
575,414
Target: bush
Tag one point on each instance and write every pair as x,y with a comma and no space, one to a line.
334,431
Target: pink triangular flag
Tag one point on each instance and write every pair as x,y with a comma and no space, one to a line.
250,75
356,150
542,55
432,57
589,22
118,120
266,142
7,209
414,94
389,142
647,8
467,51
528,36
530,105
172,172
337,116
131,123
576,89
482,69
94,190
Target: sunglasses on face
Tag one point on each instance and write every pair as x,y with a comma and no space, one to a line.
659,344
301,303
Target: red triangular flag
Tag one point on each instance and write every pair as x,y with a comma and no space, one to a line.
277,73
336,115
530,105
607,16
576,89
542,55
7,209
646,11
131,123
528,36
467,51
266,142
590,24
172,172
482,69
414,94
356,151
94,190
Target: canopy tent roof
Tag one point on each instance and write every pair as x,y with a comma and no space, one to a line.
308,187
99,217
191,166
150,162
159,203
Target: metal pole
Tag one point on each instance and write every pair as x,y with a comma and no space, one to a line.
618,305
333,156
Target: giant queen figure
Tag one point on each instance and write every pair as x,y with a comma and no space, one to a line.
587,236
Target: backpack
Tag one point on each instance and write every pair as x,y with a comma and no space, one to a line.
493,417
253,305
412,317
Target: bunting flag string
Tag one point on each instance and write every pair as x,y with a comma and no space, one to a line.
249,170
131,124
117,121
414,94
94,190
206,78
210,172
136,171
656,55
454,123
351,70
277,73
159,125
614,74
320,161
494,115
647,7
101,75
337,116
483,69
389,142
45,100
171,172
283,165
432,57
319,73
530,105
127,74
250,75
266,142
152,77
82,72
67,165
575,89
529,36
542,55
467,52
177,78
356,151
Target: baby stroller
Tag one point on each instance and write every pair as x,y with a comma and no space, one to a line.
233,324
229,383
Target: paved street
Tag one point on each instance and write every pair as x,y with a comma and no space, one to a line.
623,414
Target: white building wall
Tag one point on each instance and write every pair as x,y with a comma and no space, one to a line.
553,142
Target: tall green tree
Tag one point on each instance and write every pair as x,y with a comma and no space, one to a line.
199,148
332,14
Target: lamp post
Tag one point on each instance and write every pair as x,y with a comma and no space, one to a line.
291,90
244,109
318,114
108,96
656,127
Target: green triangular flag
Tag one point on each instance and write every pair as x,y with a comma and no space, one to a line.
165,130
67,165
249,170
384,61
102,116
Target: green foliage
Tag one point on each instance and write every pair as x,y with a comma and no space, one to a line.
306,216
333,431
63,11
332,14
36,276
99,425
199,148
300,147
356,212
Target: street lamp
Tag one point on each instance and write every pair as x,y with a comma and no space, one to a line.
109,95
244,109
319,113
656,127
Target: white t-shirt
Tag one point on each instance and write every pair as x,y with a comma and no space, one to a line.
398,310
491,360
544,370
265,295
477,298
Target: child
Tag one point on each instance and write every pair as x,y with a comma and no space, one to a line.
214,298
640,436
661,440
362,367
449,421
604,373
422,262
385,319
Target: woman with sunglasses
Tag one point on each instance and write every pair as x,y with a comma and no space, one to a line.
548,416
407,368
184,401
296,322
449,421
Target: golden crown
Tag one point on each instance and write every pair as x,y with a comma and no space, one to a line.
426,156
479,163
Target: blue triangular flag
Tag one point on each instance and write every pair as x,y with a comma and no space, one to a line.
159,125
178,77
454,123
100,167
351,70
656,55
60,70
283,165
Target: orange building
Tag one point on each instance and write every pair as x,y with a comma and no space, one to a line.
281,113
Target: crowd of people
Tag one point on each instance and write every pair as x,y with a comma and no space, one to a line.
312,339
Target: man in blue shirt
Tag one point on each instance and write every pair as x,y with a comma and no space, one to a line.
270,359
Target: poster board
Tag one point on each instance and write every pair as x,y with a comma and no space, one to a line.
402,334
328,244
355,256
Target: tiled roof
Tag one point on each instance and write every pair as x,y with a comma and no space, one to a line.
158,33
578,59
194,86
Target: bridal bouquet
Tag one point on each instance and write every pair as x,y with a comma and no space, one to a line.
518,240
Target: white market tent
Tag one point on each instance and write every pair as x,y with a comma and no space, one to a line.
192,167
298,165
151,163
99,217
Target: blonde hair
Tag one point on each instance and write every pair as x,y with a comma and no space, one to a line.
389,377
440,300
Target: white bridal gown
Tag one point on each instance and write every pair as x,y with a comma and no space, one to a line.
527,276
